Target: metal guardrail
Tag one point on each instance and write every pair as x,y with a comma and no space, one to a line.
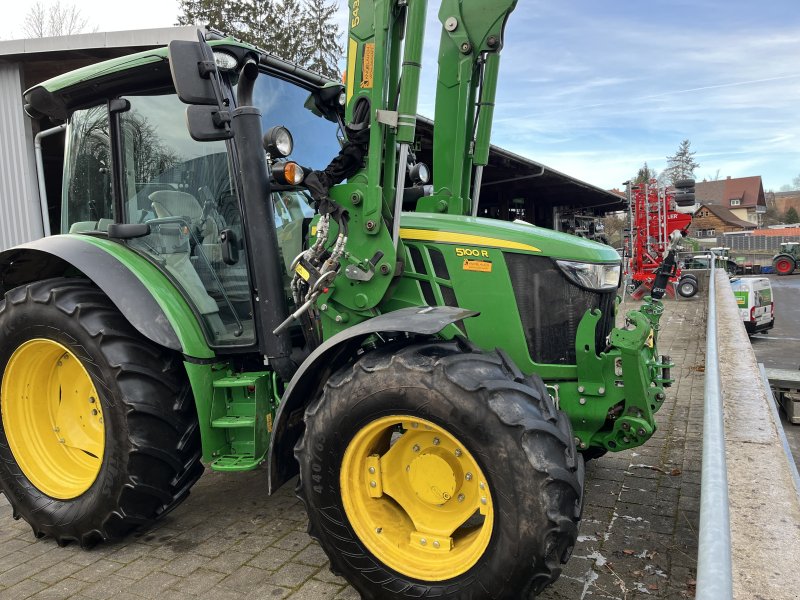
714,565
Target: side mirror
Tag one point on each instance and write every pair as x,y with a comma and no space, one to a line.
192,67
208,123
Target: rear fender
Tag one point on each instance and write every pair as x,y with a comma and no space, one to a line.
144,295
342,348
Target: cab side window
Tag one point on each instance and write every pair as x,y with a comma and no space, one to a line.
86,193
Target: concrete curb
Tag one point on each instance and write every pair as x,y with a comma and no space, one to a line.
764,508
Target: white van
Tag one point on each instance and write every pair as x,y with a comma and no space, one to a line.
754,299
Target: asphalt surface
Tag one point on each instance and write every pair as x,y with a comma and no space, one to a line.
780,348
230,541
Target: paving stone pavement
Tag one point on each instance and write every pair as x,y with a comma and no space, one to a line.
638,537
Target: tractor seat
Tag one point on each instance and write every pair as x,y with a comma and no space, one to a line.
172,203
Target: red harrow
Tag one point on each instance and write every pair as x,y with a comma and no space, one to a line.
655,227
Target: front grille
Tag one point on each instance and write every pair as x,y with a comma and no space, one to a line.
551,307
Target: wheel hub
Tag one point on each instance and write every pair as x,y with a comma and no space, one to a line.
410,490
432,478
52,418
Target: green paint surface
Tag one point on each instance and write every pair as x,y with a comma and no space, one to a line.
115,65
175,307
548,242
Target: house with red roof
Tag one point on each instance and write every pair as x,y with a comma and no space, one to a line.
711,220
742,196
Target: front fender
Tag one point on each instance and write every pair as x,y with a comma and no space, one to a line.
144,295
310,378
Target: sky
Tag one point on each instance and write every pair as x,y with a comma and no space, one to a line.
595,89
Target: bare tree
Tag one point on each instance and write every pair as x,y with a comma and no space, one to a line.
49,20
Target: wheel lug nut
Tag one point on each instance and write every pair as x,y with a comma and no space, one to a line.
458,452
416,448
435,441
483,500
436,544
483,485
461,497
94,412
373,484
415,425
468,476
92,400
372,470
423,541
378,530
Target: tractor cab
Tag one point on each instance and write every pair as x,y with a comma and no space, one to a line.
184,192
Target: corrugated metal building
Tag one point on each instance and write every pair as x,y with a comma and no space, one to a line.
20,215
513,186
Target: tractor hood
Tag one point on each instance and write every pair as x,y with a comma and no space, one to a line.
513,237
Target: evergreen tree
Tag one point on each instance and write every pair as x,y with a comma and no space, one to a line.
322,48
213,13
791,216
682,164
305,33
644,174
290,34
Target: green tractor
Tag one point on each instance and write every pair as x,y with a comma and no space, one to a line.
436,379
787,260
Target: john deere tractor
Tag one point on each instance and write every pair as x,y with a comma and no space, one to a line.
436,379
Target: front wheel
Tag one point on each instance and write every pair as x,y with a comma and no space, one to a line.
437,470
99,432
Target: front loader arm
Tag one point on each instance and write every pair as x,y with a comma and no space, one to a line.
385,41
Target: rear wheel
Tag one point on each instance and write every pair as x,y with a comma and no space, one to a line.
784,265
437,470
98,433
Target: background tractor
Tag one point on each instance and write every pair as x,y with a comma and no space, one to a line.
436,379
787,260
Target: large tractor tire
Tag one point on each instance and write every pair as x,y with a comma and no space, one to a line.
99,431
784,265
437,470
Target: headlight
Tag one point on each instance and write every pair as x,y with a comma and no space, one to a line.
591,275
278,142
225,61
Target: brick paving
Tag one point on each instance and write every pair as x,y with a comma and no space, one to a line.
638,537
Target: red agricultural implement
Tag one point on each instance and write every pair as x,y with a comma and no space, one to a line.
655,225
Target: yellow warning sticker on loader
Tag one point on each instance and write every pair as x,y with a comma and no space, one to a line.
368,66
481,266
301,270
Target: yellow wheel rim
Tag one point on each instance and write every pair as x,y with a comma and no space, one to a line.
52,418
416,498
